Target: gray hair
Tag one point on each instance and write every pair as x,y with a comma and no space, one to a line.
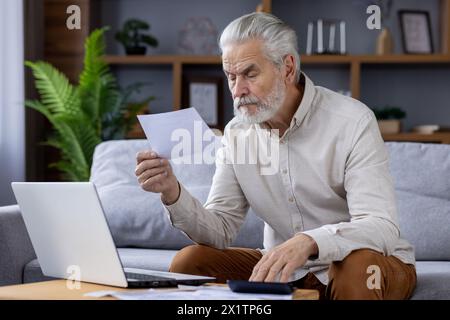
278,38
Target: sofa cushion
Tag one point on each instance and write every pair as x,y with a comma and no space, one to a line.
151,259
433,280
33,273
137,218
421,174
420,221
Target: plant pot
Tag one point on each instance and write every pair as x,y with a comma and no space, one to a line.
135,50
390,126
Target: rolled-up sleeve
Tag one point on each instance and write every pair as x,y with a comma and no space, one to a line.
217,222
370,198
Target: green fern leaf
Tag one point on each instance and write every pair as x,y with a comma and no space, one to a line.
97,86
82,116
57,94
67,140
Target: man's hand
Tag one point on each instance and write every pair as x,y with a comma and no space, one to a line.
284,259
155,174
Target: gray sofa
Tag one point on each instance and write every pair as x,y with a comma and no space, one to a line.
145,238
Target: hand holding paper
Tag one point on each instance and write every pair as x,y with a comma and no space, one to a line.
155,175
177,134
172,135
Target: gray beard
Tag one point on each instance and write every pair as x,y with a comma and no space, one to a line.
265,110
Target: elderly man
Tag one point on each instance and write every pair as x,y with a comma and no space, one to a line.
329,210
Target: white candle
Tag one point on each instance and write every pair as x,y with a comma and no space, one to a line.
343,45
309,39
319,36
332,35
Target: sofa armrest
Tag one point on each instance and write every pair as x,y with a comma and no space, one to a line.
16,249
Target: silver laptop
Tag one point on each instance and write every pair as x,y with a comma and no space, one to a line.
72,240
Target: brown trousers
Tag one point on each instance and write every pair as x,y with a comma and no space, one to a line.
364,274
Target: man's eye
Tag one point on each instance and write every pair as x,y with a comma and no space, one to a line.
251,75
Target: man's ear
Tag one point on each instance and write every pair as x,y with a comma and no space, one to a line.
289,68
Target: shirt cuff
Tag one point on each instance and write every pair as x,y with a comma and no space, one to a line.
328,250
178,212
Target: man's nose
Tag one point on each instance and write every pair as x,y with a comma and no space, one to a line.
240,88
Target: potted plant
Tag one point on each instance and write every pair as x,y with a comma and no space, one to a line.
389,119
133,40
83,115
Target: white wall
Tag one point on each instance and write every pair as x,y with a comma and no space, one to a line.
12,113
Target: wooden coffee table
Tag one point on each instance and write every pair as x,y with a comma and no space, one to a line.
58,290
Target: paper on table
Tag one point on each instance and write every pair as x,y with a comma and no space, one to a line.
189,293
168,131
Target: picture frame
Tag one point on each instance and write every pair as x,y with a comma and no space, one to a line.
416,32
205,94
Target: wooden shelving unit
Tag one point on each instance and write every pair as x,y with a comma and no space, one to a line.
163,59
438,137
305,59
354,63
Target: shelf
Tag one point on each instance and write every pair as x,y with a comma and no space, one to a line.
405,59
353,61
379,59
305,59
163,59
438,137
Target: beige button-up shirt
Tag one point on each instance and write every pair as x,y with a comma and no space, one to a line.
332,183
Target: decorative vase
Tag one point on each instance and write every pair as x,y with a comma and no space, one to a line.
385,42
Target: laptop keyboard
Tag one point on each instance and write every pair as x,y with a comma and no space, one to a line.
146,277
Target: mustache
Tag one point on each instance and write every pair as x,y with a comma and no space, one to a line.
242,101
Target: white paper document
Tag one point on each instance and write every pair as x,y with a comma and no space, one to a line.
177,134
188,293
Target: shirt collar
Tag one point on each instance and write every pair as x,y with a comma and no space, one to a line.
309,92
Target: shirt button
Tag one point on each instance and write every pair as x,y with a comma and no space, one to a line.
291,199
284,171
